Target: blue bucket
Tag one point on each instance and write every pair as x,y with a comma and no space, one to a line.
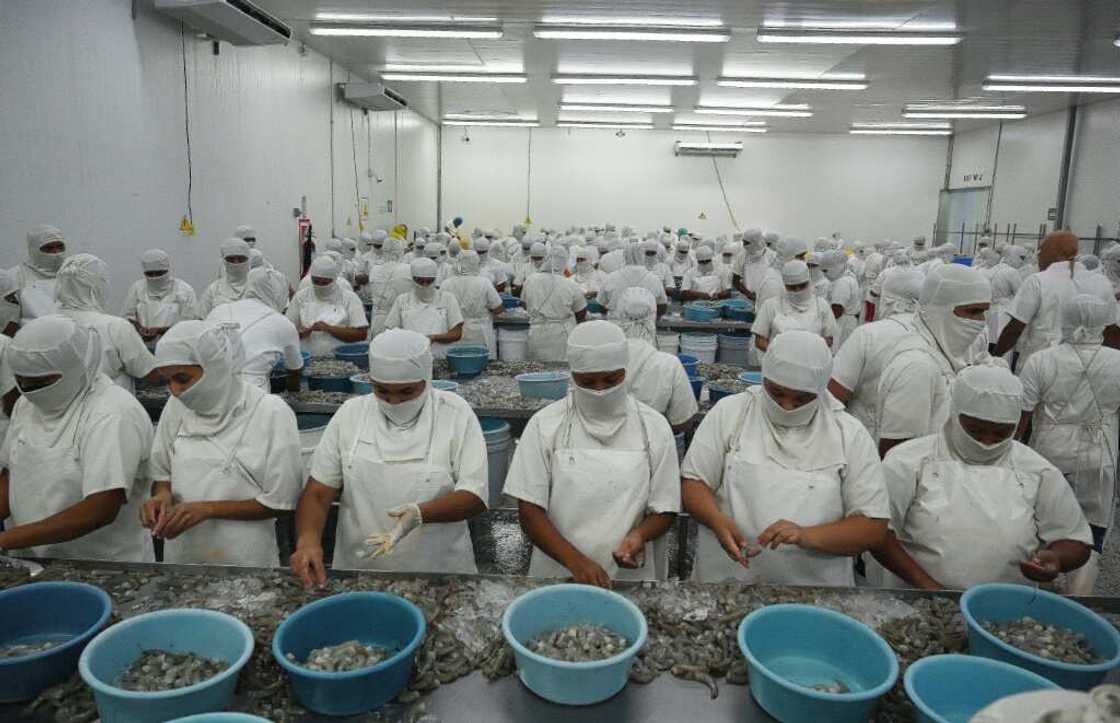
445,385
953,688
751,377
543,385
690,363
557,606
963,260
997,602
697,384
357,354
468,360
203,632
790,648
281,366
361,384
509,301
222,718
373,618
700,312
330,384
47,611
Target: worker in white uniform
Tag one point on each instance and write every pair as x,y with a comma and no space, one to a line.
770,285
872,267
75,458
230,285
533,265
1035,314
411,464
588,278
654,258
914,386
9,324
267,336
428,310
478,301
46,250
817,280
158,301
1072,391
489,268
1005,280
595,474
844,294
555,305
225,461
1110,260
633,273
970,505
752,265
797,308
681,261
327,315
785,485
703,281
860,361
387,281
248,234
81,286
652,376
726,263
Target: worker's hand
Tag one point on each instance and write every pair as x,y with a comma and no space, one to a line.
183,517
631,552
320,326
407,517
304,332
307,565
725,294
734,542
1044,566
588,572
782,532
156,510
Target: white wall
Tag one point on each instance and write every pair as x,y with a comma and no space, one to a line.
1094,191
1030,158
799,185
92,140
973,159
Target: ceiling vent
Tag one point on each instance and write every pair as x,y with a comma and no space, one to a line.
238,22
374,96
721,150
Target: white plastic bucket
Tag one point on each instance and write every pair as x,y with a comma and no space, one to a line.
733,349
701,346
496,432
512,344
668,343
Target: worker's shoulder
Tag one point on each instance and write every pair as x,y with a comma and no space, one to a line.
1024,459
451,403
910,454
107,399
655,421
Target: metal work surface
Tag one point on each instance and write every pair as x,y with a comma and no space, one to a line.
669,322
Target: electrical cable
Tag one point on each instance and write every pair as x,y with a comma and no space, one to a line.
722,190
187,122
354,155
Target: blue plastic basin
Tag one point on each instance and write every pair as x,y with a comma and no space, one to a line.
700,312
468,360
791,648
963,260
330,384
543,385
445,385
953,688
690,363
69,612
361,384
357,354
222,718
697,384
281,366
203,632
996,602
716,393
557,606
751,377
594,307
509,301
374,618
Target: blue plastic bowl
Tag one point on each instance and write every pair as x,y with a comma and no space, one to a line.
690,363
47,611
361,384
510,301
790,648
374,618
700,312
737,309
751,377
716,393
697,384
204,632
594,307
445,386
557,606
963,260
222,718
995,602
330,384
543,385
953,688
357,354
281,366
468,360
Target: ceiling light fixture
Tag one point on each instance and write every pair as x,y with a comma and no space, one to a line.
460,68
412,30
902,126
1051,84
691,146
621,32
458,77
617,107
659,21
396,20
496,123
760,128
605,124
762,112
487,117
793,83
965,114
1116,40
949,111
899,132
843,36
933,107
564,79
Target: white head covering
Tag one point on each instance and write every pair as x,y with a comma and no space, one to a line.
704,255
1084,318
392,249
1014,256
217,394
984,392
901,289
945,288
38,237
256,259
802,362
349,248
469,263
424,268
433,250
790,249
246,233
268,286
482,246
599,346
636,314
235,272
155,260
55,345
365,240
557,259
833,263
81,283
920,242
1090,261
400,356
538,250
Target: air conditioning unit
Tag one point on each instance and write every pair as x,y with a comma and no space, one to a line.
374,96
721,150
238,22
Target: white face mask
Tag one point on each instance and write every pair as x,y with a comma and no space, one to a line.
650,262
681,255
754,250
955,334
583,267
237,273
972,450
322,293
403,413
801,296
782,417
834,273
425,293
727,259
159,284
54,398
537,263
705,267
603,410
205,396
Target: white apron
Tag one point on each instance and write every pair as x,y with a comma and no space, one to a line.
47,480
970,524
757,492
156,314
320,343
427,319
548,338
596,498
201,470
373,485
706,284
480,331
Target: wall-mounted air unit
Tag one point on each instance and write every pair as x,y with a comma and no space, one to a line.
725,150
374,96
238,22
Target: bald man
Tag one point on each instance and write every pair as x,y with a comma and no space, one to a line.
1036,311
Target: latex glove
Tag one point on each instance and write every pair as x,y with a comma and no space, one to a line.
631,552
408,518
1044,566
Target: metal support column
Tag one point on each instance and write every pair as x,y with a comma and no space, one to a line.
1064,170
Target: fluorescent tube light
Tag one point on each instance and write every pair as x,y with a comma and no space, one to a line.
762,112
486,117
617,107
687,145
903,126
564,79
899,132
839,36
1051,84
497,123
953,107
405,31
793,83
656,21
619,32
1016,115
458,77
597,124
761,128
